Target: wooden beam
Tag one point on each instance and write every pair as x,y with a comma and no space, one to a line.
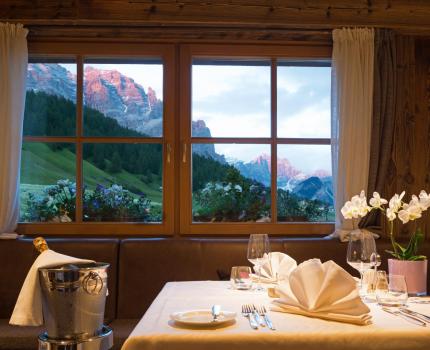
409,15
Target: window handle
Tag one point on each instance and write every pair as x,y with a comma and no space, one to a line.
184,153
169,150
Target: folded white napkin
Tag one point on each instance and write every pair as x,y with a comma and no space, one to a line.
322,290
275,268
28,307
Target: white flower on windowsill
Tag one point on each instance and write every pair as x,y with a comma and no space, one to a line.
357,207
377,201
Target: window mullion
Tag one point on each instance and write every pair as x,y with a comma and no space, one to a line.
79,134
274,157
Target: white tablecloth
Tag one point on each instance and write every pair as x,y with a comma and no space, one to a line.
155,331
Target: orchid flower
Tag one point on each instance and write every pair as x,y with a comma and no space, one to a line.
391,215
377,201
396,202
424,199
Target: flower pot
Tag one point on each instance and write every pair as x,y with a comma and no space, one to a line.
415,273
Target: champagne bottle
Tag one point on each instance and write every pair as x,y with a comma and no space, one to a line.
40,244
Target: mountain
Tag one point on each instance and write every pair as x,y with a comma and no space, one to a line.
316,188
52,79
108,91
116,96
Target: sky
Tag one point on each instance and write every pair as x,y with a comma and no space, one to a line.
234,101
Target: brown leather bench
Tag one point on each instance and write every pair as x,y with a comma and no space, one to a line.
139,269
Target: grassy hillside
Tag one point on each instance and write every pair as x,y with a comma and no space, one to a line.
43,166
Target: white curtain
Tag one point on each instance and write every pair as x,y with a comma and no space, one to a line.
352,92
13,70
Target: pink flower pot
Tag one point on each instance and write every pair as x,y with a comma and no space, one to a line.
415,273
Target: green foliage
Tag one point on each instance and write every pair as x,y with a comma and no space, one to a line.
231,201
57,201
206,170
112,203
115,203
410,252
293,208
50,115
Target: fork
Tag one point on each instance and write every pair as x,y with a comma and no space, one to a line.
257,317
262,311
247,312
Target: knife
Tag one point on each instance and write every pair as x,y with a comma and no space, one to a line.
405,316
425,318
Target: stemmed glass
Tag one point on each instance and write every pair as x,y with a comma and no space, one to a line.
258,253
361,254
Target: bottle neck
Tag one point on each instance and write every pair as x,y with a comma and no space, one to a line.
40,244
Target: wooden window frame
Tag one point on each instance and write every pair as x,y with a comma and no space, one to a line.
79,52
222,51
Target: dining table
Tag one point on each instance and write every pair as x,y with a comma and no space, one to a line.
157,331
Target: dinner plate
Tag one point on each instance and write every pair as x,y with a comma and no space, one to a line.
202,317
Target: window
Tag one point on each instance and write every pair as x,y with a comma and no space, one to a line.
256,124
245,146
95,146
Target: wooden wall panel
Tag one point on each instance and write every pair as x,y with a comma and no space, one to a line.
410,170
408,15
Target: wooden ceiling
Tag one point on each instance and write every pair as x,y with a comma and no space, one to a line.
277,19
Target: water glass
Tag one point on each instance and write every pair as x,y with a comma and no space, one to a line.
361,254
240,277
391,290
258,254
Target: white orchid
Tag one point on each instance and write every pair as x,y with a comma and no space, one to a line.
356,207
391,215
424,199
377,201
396,202
411,211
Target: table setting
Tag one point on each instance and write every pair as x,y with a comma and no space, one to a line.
280,302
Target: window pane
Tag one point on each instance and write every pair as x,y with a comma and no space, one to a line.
304,102
50,105
122,182
123,99
231,182
230,99
305,185
47,188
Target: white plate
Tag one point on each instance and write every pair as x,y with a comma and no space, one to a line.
202,317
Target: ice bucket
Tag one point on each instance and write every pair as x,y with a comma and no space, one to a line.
73,299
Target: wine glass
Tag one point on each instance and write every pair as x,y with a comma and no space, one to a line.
362,254
258,253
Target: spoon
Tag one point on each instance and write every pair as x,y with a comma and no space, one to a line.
216,310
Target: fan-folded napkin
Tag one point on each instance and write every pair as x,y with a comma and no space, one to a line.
277,267
28,307
324,291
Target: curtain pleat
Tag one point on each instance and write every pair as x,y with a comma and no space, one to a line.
383,116
13,71
352,91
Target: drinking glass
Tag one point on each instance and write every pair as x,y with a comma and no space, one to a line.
391,291
240,277
361,253
258,253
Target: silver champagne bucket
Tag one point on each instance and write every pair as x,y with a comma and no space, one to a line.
74,297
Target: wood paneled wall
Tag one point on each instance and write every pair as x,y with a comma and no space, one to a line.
408,16
410,161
